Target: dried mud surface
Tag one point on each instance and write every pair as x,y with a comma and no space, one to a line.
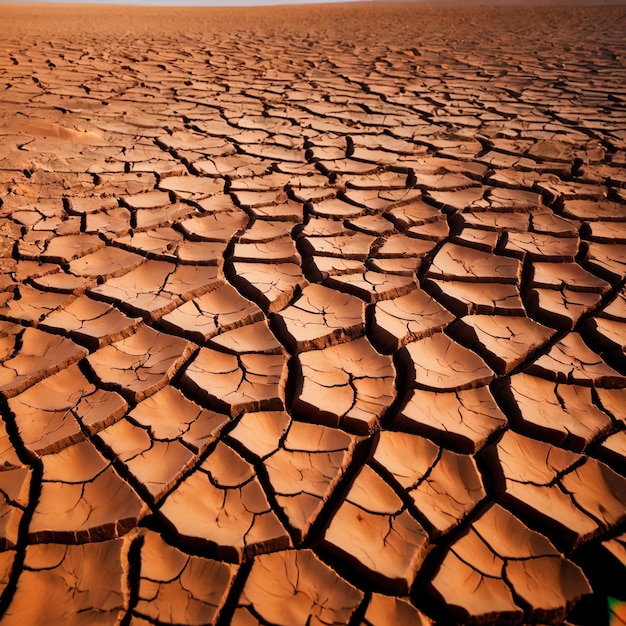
313,316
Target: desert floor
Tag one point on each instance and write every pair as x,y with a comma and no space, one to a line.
312,315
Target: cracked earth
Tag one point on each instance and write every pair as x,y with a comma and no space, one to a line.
312,316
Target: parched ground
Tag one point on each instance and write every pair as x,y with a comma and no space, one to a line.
312,316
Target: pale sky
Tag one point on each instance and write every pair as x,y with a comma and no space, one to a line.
175,3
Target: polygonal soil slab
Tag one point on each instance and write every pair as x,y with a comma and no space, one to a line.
616,309
167,244
555,275
235,166
220,226
445,486
161,216
477,297
211,313
373,533
347,246
574,499
192,187
151,464
294,588
562,308
319,268
336,208
112,221
608,260
271,285
255,339
400,246
261,199
61,249
304,462
593,210
264,231
157,287
148,200
278,250
415,212
375,225
176,588
30,306
613,402
91,323
500,554
95,597
562,414
503,341
320,317
222,507
141,364
234,383
570,360
61,282
49,414
348,385
15,485
480,239
8,454
541,247
439,363
454,262
461,420
82,498
389,610
372,286
398,321
27,355
107,262
169,416
436,231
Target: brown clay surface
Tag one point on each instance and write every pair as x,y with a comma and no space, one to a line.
312,315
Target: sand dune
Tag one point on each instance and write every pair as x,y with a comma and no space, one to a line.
312,315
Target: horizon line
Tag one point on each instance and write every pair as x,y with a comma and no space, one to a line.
262,3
